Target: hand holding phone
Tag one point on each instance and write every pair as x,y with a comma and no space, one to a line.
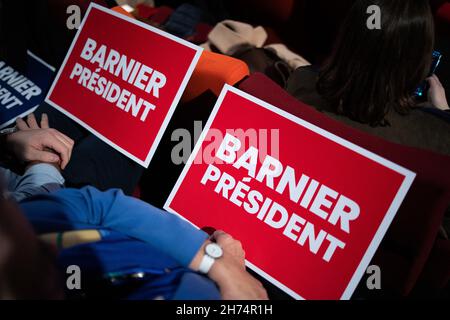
436,93
421,91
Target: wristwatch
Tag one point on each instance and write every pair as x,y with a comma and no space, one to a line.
3,135
7,131
212,252
6,158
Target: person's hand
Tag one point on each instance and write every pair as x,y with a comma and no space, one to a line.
229,272
436,93
34,143
230,245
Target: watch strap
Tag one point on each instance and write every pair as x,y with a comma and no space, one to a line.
206,264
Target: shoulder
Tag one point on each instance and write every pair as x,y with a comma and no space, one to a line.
302,77
302,85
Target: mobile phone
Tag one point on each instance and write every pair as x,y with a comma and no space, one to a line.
421,90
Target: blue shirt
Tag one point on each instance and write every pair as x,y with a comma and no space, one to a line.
109,266
142,238
89,208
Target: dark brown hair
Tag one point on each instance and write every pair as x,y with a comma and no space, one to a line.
371,72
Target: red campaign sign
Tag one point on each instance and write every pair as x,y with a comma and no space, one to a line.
309,207
122,80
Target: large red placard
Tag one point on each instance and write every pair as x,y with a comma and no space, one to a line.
309,207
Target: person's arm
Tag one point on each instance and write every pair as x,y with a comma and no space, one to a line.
38,143
6,158
37,179
32,151
89,208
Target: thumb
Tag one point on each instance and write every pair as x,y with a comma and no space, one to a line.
432,81
43,156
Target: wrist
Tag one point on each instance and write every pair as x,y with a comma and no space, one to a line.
6,150
195,263
4,135
442,105
31,164
217,269
218,272
3,144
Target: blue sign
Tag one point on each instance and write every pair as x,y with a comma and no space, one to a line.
22,93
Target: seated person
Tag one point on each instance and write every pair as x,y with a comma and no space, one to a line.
38,153
164,266
139,251
93,162
369,80
66,154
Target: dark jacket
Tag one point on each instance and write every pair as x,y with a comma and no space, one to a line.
419,128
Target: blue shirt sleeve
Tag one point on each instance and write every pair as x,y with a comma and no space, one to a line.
40,178
89,208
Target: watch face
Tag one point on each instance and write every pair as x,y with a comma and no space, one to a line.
214,250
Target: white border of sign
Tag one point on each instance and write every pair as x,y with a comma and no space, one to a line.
172,108
45,64
407,182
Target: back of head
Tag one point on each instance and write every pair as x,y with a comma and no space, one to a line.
374,71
